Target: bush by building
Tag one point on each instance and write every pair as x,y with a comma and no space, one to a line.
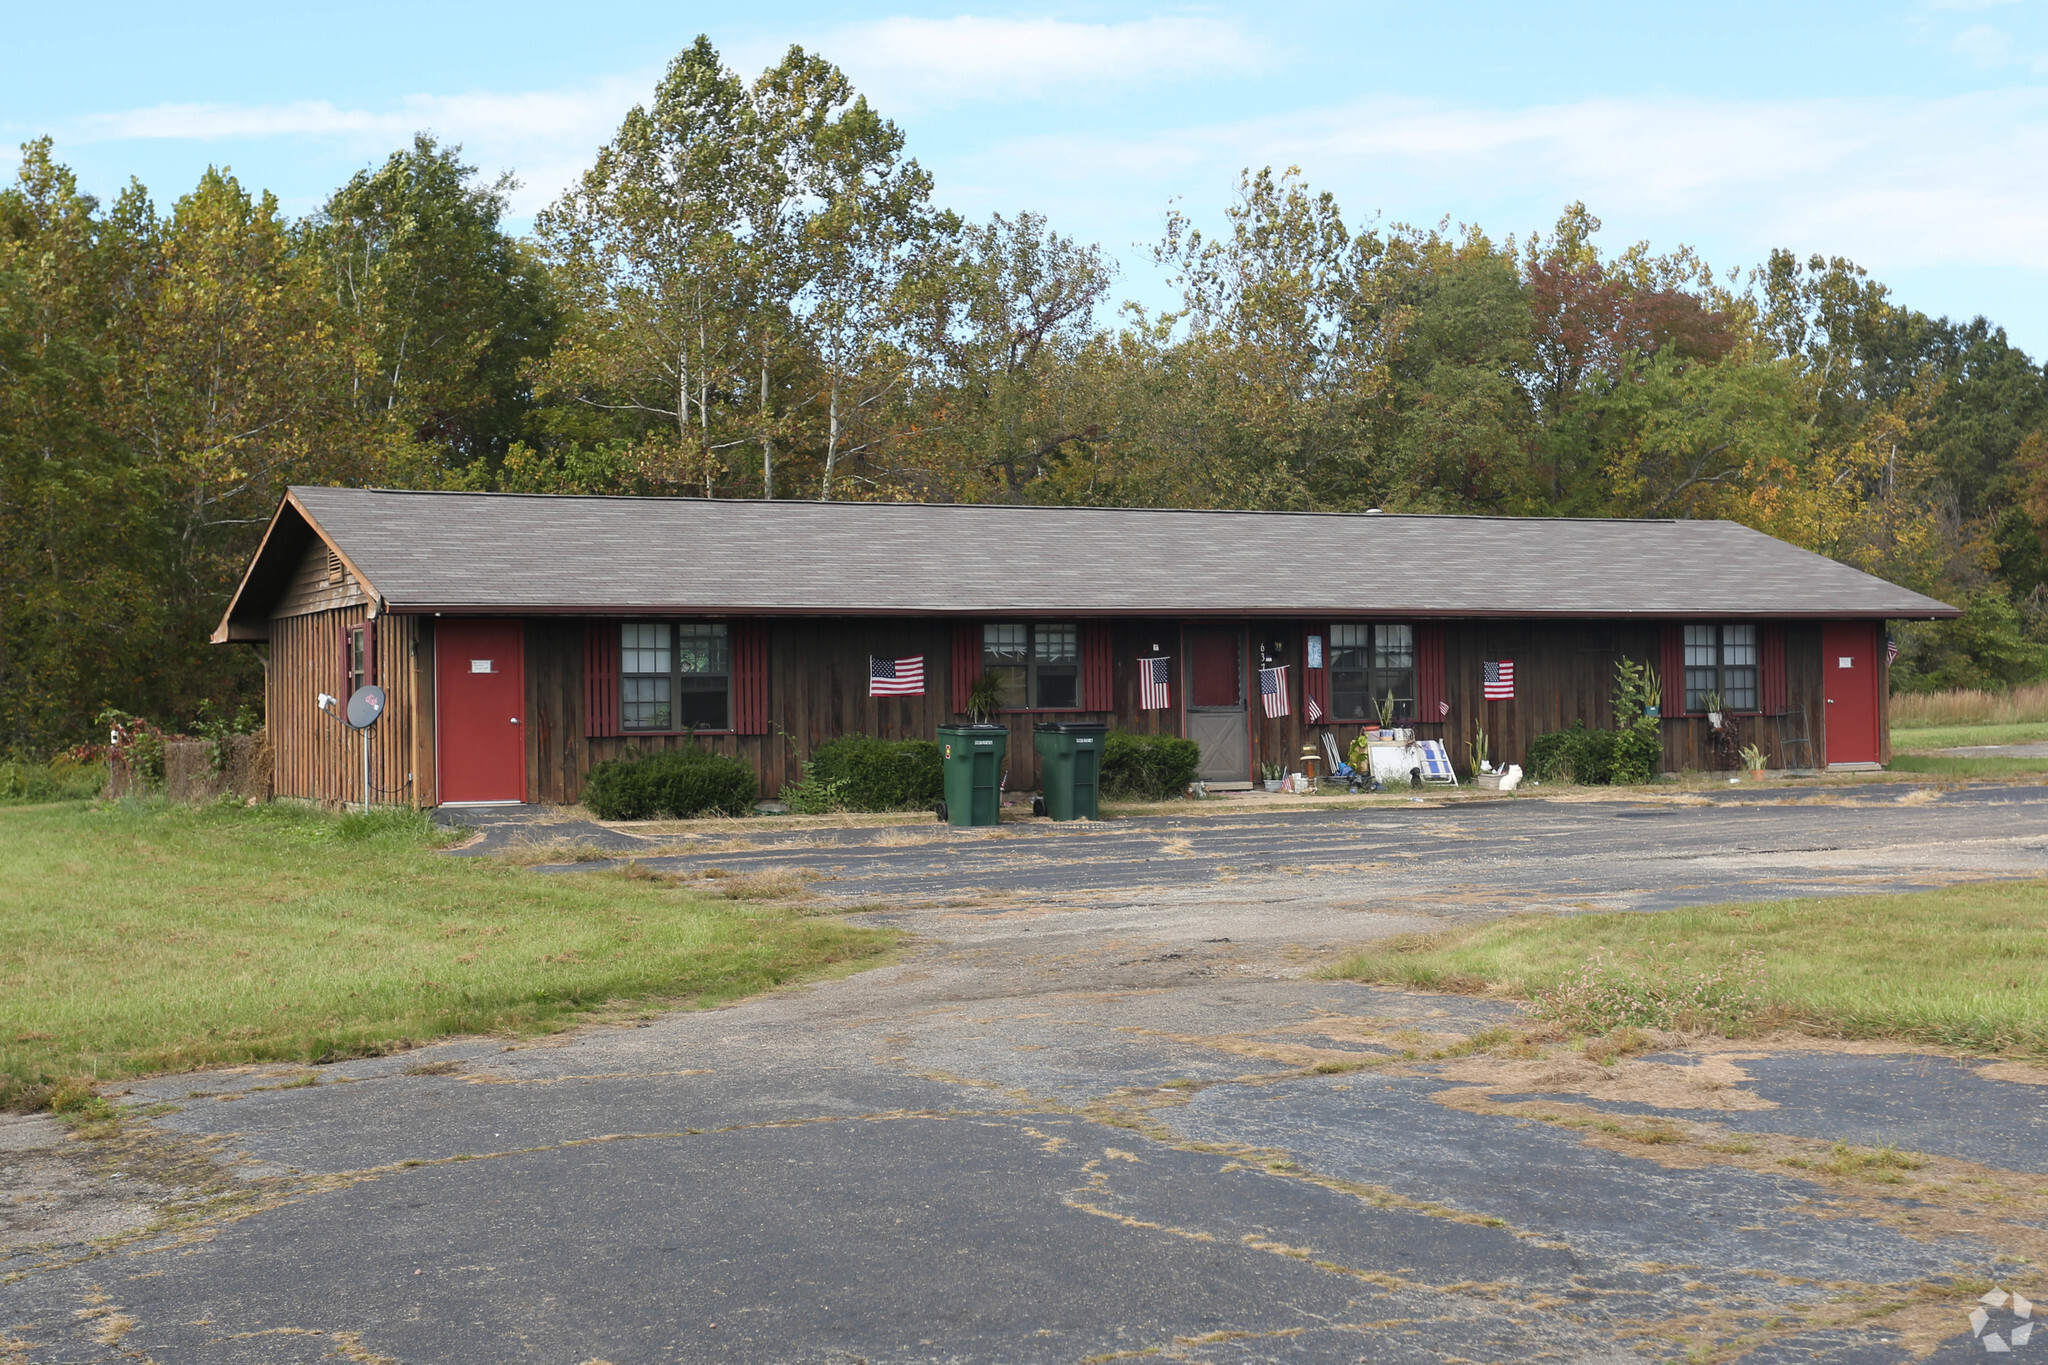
1147,767
861,772
674,783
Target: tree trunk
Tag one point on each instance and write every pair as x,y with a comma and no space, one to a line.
767,439
704,406
831,442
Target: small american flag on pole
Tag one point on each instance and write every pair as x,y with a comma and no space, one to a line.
1443,708
1314,712
896,677
1891,652
1500,680
1273,690
1155,677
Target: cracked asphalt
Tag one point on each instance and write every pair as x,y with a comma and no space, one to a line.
1101,1107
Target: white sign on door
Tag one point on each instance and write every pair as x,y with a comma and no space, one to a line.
484,666
1844,661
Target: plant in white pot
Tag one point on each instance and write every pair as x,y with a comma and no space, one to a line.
1711,704
1274,774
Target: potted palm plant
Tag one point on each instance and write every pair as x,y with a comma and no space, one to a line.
985,699
1753,759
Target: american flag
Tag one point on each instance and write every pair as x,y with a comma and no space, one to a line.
896,677
1155,676
1443,708
1891,652
1315,712
1273,690
1500,680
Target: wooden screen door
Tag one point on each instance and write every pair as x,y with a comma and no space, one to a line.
479,711
1217,719
1849,680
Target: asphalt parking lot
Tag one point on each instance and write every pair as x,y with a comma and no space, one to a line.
1104,1108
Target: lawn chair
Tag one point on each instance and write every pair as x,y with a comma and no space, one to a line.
1436,764
1353,779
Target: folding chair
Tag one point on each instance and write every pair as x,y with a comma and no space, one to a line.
1436,764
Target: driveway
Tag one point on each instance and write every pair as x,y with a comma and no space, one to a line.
1102,1108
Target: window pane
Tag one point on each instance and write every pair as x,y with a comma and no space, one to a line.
1402,684
701,704
644,704
1738,646
1738,689
1011,679
1348,646
1057,644
1005,645
702,649
643,649
1700,652
1059,686
1699,682
1393,647
1349,693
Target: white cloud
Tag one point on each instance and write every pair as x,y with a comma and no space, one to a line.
1983,46
546,136
906,63
1921,182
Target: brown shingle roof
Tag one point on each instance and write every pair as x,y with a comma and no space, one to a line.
509,553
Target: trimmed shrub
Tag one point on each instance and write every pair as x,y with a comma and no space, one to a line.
864,773
673,783
1638,755
1147,767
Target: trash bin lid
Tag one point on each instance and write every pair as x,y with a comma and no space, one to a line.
1071,727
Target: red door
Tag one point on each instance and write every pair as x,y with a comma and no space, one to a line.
480,710
1849,678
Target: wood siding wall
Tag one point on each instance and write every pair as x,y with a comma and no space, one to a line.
817,686
313,589
318,758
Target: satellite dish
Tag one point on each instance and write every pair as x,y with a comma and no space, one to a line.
365,706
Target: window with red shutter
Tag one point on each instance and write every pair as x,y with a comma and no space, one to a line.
1673,670
966,664
1432,689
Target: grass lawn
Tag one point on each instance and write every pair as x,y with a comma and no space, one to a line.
1905,739
136,937
1950,765
1966,966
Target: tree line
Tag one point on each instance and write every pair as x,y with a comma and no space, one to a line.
751,293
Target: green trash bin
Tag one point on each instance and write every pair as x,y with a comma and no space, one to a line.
1070,767
973,756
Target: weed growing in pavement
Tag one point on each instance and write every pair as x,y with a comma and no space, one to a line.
1603,997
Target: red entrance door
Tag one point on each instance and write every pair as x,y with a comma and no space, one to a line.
1849,677
480,710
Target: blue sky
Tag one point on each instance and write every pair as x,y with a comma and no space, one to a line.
1909,137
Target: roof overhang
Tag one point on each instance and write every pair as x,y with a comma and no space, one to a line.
277,558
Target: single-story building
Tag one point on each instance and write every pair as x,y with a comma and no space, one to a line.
522,638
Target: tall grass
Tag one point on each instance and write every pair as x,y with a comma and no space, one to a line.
26,783
1970,706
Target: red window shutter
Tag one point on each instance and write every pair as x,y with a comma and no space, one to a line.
1315,682
1432,691
600,680
1098,674
1774,698
1673,669
749,678
966,664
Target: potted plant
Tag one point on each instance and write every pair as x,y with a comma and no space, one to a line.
1385,706
1273,773
1711,704
1753,759
985,699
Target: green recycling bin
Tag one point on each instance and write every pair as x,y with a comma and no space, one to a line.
973,757
1070,767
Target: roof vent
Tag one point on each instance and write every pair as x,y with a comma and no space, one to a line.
333,567
1372,511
